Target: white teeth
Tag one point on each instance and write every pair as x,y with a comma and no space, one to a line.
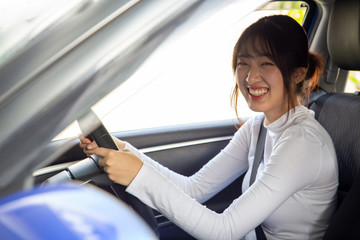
258,92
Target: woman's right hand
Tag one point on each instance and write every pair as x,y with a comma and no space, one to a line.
88,145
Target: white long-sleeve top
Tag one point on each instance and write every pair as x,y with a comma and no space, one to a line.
293,196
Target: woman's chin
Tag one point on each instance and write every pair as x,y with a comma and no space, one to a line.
255,108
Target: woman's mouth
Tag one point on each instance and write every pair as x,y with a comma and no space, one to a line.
258,92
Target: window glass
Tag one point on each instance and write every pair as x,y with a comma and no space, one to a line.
189,78
353,82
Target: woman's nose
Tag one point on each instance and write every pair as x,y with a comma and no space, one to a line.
253,76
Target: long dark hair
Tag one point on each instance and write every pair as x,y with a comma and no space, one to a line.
285,42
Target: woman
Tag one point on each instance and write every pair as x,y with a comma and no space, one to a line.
294,194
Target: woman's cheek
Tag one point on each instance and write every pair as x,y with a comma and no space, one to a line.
240,79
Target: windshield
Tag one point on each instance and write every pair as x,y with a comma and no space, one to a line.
188,79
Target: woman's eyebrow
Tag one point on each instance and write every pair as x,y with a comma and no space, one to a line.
245,56
254,56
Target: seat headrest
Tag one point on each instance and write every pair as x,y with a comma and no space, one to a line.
343,35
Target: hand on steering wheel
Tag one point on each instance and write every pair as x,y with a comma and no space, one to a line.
111,156
121,166
87,144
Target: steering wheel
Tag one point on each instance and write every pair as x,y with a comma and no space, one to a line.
103,139
87,168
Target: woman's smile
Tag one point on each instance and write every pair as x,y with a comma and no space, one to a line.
257,92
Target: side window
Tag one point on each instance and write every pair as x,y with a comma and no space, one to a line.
188,79
353,82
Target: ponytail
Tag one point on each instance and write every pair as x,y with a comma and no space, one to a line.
315,71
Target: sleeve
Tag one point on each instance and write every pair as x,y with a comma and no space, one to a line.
219,172
281,178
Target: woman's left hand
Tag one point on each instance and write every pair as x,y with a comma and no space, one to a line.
122,166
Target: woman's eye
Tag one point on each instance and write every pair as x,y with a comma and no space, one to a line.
242,64
267,64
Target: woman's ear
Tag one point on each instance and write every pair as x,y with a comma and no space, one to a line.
299,74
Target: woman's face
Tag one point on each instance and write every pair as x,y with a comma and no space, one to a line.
261,83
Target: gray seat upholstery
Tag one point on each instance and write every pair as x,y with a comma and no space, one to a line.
340,116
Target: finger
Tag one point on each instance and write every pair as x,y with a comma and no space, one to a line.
88,152
92,145
85,140
99,151
89,146
101,163
82,145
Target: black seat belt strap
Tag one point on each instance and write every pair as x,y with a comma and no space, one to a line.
259,153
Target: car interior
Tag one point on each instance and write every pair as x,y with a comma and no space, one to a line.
334,31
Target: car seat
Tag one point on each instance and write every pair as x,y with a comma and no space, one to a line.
339,113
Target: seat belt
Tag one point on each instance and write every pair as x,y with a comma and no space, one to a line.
259,153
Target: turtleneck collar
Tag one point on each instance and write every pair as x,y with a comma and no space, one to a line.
283,122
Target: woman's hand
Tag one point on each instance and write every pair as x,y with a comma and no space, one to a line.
86,144
121,166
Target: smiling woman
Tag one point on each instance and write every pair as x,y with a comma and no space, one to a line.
269,78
